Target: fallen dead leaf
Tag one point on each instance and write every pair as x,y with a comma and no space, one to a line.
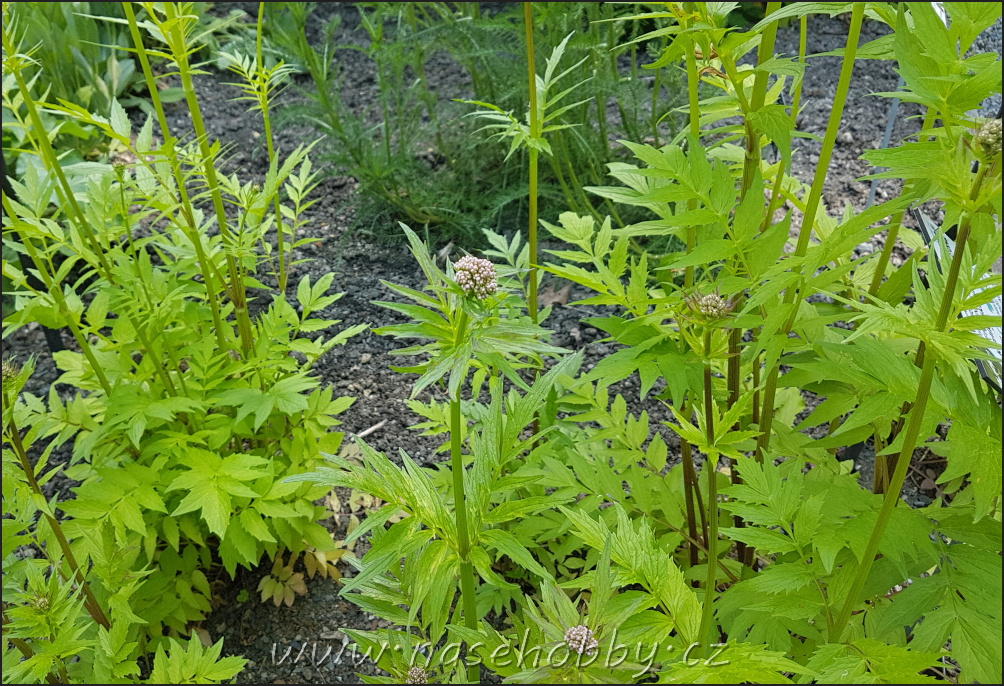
204,638
549,296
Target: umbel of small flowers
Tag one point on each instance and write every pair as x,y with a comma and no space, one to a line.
579,639
476,276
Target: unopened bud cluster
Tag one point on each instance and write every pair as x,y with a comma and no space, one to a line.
40,603
416,675
709,306
10,371
476,276
580,640
989,137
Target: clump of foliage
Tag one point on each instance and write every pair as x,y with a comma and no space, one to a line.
560,543
188,411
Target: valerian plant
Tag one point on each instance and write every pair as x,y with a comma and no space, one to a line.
563,541
188,411
766,559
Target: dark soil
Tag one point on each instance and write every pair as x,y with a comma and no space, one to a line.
310,628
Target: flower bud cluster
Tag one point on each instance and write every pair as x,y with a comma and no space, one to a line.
10,371
709,306
580,640
416,675
989,137
476,276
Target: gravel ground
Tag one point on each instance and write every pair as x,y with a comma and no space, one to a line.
309,629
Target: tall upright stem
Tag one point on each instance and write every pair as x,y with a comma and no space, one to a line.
909,440
693,107
811,208
457,426
237,289
691,486
531,70
467,589
271,155
710,468
186,204
796,98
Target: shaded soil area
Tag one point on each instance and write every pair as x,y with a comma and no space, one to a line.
310,628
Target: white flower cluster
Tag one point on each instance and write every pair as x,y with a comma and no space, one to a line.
416,675
476,276
580,640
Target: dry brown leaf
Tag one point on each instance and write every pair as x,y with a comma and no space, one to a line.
204,638
332,502
549,296
350,451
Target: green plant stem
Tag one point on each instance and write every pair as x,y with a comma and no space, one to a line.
689,483
909,440
918,358
186,204
832,128
751,166
654,110
880,476
597,65
531,71
467,590
751,163
467,583
710,464
693,105
237,290
775,195
90,602
271,152
811,208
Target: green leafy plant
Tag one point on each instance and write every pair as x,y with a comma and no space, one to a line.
188,412
766,561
